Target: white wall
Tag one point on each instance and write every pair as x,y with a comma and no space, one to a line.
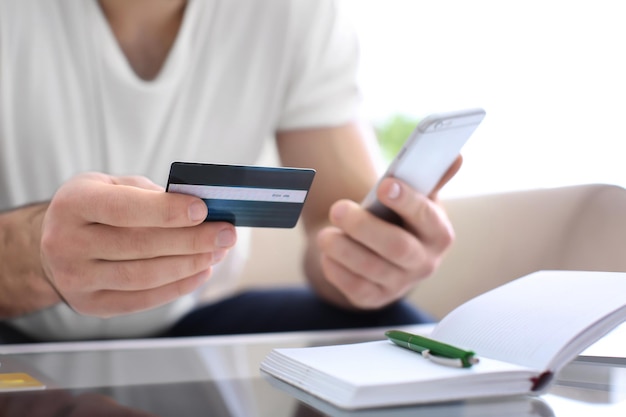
551,75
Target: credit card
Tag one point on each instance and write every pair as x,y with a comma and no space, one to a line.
19,381
245,195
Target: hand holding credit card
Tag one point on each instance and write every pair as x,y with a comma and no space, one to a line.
245,195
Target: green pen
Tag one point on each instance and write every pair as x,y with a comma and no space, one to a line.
438,352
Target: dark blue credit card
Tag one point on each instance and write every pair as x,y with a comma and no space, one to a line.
245,195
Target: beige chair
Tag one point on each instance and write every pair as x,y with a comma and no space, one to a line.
499,237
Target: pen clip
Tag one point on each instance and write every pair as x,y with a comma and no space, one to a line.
440,360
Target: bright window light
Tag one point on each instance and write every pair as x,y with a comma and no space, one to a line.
550,74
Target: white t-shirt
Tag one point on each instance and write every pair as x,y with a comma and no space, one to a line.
239,71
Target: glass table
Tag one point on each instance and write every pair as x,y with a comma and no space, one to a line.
219,376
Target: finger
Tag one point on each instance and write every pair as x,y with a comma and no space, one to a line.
421,215
137,275
129,206
117,244
359,292
450,173
397,245
109,303
357,258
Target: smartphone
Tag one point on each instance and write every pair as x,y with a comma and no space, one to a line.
427,154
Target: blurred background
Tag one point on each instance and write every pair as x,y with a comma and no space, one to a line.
550,74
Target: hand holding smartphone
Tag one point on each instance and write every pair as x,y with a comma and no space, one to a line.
427,154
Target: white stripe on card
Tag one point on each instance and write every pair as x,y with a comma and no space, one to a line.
216,192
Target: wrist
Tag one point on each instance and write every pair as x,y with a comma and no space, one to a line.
24,287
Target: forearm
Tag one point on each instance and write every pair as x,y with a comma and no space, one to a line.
24,287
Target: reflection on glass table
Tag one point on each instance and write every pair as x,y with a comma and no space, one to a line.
219,376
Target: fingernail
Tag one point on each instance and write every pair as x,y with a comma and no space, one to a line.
394,191
197,211
226,238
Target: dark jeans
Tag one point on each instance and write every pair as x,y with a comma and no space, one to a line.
272,310
287,309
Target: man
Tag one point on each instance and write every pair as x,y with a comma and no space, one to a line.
98,97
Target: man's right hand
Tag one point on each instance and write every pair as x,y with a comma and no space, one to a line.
116,245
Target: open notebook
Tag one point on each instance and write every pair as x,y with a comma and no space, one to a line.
523,332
